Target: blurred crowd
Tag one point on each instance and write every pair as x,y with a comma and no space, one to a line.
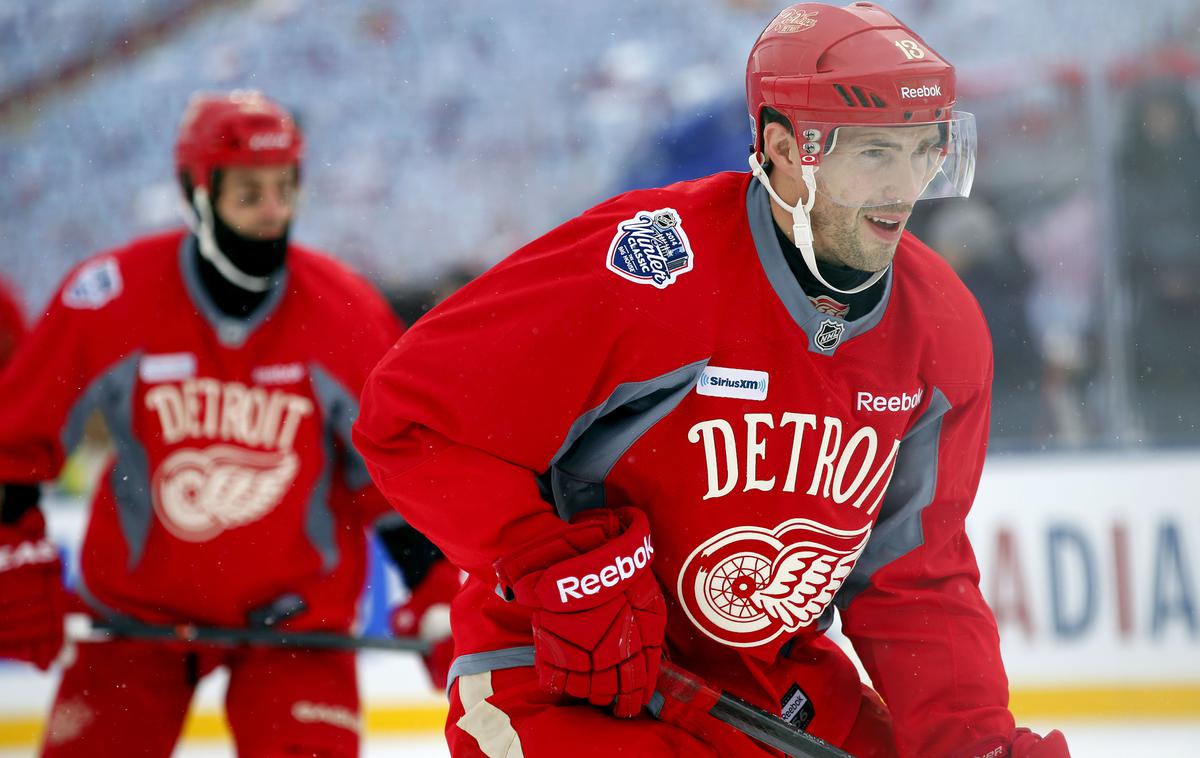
442,136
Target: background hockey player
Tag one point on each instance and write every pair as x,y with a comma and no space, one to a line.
227,363
694,420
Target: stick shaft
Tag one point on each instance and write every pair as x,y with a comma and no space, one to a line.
771,730
751,720
112,628
748,719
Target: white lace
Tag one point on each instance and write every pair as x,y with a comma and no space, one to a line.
201,225
801,225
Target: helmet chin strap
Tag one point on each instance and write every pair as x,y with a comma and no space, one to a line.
200,221
802,225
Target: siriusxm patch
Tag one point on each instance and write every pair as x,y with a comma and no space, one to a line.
740,383
651,248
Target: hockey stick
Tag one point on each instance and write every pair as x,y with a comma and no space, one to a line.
83,628
751,720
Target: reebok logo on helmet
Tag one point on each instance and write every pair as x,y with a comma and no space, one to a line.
926,90
270,141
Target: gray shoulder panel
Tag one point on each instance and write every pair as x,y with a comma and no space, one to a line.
341,407
492,660
112,394
318,520
598,438
914,483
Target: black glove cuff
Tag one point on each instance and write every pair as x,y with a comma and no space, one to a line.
412,551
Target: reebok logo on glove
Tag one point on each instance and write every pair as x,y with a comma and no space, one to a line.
26,554
622,568
597,614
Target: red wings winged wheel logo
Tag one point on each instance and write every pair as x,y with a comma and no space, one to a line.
199,494
747,585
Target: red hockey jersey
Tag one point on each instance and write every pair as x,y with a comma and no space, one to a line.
12,322
233,480
657,352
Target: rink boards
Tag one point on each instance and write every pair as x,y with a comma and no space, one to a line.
1091,563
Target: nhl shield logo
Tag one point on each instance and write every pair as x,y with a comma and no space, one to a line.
829,334
651,248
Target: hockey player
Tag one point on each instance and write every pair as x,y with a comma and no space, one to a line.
227,362
694,420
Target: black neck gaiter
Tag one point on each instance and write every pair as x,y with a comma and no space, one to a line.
253,257
857,305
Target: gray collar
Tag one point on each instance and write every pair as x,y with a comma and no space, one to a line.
231,332
825,332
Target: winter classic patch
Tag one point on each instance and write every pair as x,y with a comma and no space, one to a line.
93,285
651,248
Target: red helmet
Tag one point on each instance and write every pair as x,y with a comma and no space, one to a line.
820,65
239,128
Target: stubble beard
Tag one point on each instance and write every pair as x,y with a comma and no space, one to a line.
840,239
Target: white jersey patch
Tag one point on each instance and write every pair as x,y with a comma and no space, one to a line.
94,285
651,248
279,373
740,383
167,367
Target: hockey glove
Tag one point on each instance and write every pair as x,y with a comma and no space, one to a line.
426,614
598,613
31,592
1023,744
1026,744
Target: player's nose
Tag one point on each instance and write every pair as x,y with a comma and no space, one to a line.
275,209
904,184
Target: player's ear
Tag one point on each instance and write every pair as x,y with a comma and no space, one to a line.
779,146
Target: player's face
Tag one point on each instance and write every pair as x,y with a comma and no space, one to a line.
866,188
257,202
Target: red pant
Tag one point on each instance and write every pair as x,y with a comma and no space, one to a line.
491,714
130,699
